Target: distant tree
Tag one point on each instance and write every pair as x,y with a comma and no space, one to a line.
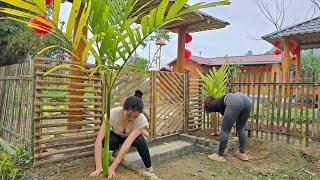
310,62
316,4
270,52
249,53
19,44
275,11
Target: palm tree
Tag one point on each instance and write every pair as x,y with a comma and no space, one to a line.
115,35
214,84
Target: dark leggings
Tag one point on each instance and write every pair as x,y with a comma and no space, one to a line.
238,108
140,143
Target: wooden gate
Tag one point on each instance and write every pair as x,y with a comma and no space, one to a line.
57,138
164,95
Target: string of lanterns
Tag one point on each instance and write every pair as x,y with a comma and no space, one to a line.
41,24
187,52
293,49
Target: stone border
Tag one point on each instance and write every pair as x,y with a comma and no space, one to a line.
208,145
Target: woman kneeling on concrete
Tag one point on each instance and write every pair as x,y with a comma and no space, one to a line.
235,108
126,126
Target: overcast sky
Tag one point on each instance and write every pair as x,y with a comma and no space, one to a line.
247,26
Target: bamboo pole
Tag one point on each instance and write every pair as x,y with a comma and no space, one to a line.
60,159
68,138
66,131
61,151
80,123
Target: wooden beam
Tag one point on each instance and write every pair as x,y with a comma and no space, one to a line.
181,49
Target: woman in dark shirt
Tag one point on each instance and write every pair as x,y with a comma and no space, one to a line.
235,108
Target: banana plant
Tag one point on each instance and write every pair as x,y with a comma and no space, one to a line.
215,83
114,29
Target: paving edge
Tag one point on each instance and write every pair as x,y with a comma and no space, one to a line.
208,145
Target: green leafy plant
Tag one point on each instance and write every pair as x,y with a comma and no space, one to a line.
214,84
115,34
8,170
12,165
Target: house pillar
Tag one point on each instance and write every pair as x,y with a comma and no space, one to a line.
75,101
181,49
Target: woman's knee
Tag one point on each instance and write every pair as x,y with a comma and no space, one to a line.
139,140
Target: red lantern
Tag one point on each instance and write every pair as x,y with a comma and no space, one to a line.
277,52
292,45
45,25
294,51
293,59
187,53
188,38
48,2
276,43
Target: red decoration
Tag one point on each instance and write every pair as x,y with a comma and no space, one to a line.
48,2
268,69
187,53
292,45
277,52
188,38
294,51
293,59
45,25
276,43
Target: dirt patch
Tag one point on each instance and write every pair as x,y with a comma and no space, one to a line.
79,169
269,160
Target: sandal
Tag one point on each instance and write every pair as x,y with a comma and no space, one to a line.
216,157
242,156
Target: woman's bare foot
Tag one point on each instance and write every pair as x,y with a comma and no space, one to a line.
242,156
216,157
215,134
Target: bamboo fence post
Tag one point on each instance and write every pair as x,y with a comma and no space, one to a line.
186,101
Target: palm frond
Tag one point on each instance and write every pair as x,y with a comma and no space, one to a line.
214,83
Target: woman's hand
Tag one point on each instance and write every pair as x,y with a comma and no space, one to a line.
111,172
97,172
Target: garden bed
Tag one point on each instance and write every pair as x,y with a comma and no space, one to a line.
79,169
269,160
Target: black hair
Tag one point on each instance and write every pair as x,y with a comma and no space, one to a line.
134,102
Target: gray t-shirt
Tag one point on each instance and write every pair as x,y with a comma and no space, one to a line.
118,126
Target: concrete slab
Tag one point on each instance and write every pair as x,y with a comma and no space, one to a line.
162,152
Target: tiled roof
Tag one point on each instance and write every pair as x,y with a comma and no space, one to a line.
307,27
241,60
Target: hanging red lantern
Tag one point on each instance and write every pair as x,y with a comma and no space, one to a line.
48,2
188,38
277,52
292,45
276,43
187,53
294,51
45,25
294,59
